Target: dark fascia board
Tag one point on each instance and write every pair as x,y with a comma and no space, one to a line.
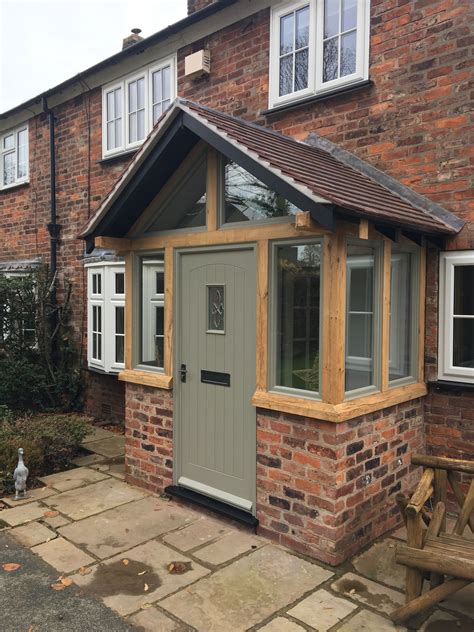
322,213
408,195
135,49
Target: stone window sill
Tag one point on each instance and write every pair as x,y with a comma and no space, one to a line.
145,378
338,413
117,157
14,186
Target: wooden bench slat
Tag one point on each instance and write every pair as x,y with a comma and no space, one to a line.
431,559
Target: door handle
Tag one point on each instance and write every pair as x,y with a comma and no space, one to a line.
183,372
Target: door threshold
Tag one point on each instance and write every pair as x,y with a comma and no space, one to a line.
239,515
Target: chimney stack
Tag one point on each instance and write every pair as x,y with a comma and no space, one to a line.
132,39
197,5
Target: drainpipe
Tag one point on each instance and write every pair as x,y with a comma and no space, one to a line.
54,228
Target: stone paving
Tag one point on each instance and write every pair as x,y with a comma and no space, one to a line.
166,567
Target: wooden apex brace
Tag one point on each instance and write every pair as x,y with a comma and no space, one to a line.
304,221
364,229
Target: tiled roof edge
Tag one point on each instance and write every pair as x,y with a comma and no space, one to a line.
401,190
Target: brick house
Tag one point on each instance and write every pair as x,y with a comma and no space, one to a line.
273,273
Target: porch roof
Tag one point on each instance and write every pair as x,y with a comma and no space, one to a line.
317,176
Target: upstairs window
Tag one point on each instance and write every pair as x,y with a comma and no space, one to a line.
14,156
317,46
133,105
456,310
106,317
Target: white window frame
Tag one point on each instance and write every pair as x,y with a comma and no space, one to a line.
108,300
132,79
316,86
150,301
446,369
147,74
14,150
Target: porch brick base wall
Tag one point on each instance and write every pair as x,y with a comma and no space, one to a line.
105,397
323,489
148,437
327,489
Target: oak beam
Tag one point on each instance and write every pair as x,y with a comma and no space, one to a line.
119,244
262,315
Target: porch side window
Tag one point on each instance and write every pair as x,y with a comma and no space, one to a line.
404,307
361,316
14,157
297,300
456,305
249,199
106,317
317,46
153,312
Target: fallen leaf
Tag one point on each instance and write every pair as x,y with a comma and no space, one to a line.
146,606
66,581
125,562
11,567
179,568
58,586
85,571
30,629
142,573
352,591
146,588
51,514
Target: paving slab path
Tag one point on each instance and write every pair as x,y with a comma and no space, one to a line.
140,562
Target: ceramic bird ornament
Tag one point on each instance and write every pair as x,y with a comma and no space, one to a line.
20,476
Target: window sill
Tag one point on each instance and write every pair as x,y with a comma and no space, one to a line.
93,369
338,413
15,185
451,385
145,378
318,97
119,156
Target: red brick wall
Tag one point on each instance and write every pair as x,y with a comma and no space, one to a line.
149,437
327,489
105,397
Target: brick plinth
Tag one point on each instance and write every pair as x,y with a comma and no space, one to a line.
326,489
148,437
105,397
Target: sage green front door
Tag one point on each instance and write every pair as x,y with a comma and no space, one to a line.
215,375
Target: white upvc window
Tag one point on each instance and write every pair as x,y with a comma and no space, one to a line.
133,105
456,317
106,316
317,46
14,157
153,312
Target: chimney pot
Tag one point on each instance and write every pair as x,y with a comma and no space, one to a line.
132,39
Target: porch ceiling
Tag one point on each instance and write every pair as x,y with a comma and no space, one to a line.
318,177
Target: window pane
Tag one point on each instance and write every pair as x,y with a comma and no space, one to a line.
301,70
9,168
464,290
118,133
119,283
132,96
120,320
22,138
331,59
157,87
286,75
152,347
247,198
111,135
118,102
331,17
186,205
110,106
463,343
401,322
216,308
132,131
298,283
141,125
9,141
348,53
302,28
287,33
157,111
140,93
166,83
22,154
360,317
349,14
119,349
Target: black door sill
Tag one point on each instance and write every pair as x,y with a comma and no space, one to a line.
212,504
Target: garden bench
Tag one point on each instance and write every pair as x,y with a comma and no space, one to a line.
447,560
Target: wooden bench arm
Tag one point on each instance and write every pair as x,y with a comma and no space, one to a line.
443,463
421,494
